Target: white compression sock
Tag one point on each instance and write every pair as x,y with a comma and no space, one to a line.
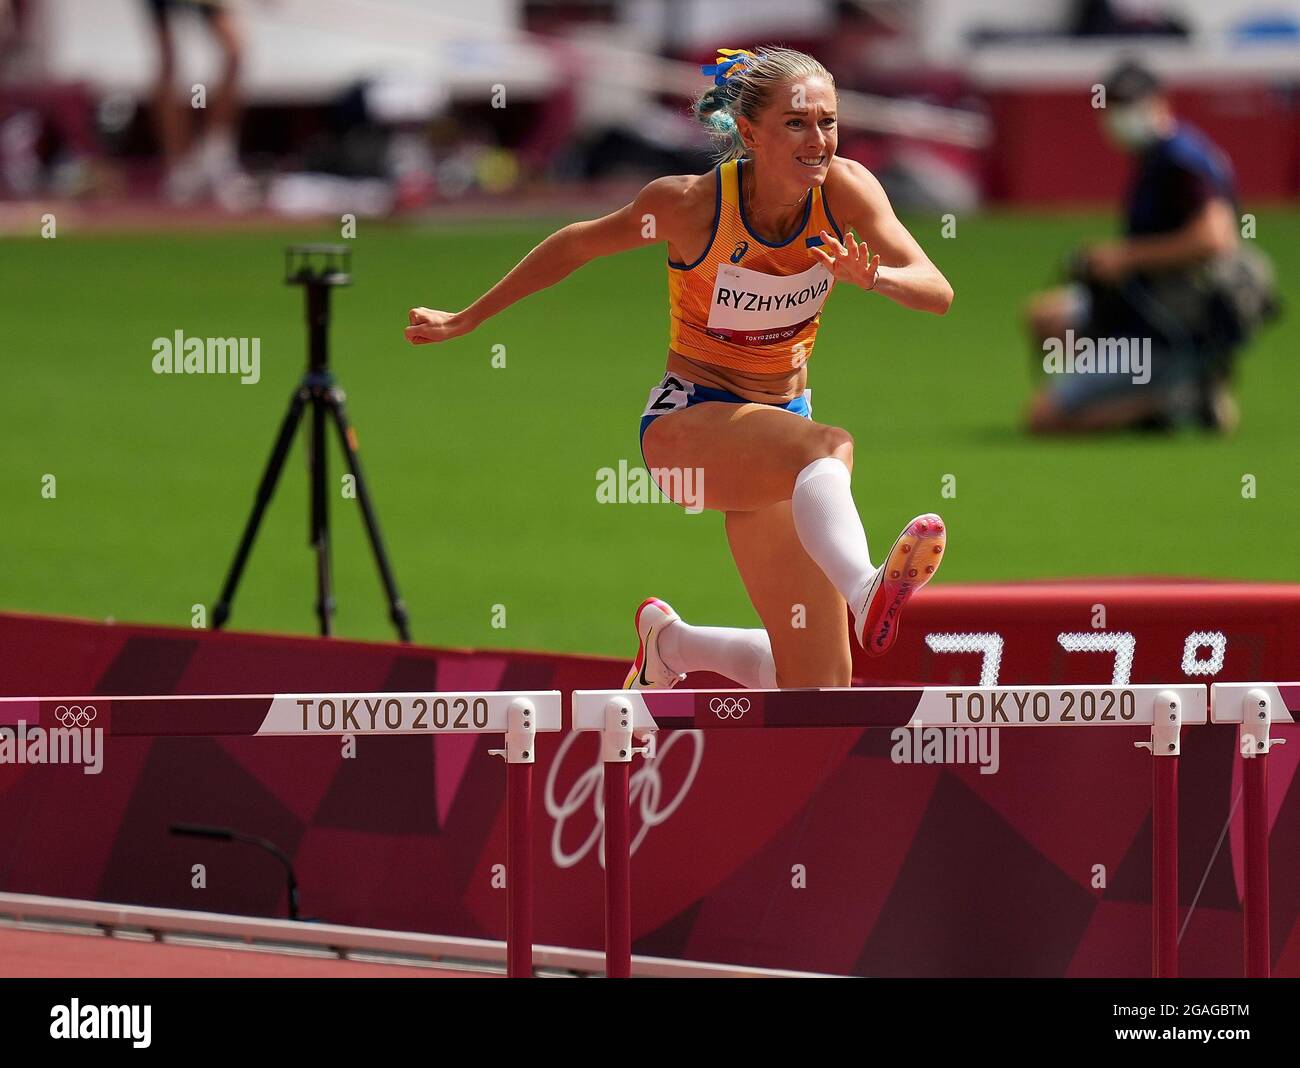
744,656
829,527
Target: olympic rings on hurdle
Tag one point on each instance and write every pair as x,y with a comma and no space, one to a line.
75,715
729,707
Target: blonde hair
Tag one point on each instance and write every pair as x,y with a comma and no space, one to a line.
748,92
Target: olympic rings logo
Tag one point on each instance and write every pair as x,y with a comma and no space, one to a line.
729,707
645,791
75,715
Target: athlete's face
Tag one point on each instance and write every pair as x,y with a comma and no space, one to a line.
795,136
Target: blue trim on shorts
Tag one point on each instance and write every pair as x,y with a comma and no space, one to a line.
701,394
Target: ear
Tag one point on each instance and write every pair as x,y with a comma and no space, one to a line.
746,129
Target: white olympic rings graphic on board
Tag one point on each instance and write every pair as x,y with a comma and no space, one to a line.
75,715
644,787
729,707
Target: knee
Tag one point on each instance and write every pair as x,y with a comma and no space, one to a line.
1043,416
833,441
824,677
823,668
1043,317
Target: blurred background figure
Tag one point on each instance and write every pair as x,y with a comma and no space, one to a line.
1117,18
1177,277
47,137
199,163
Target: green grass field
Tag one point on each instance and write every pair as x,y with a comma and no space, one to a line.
485,478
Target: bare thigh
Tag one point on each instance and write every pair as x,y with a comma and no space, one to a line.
743,456
804,615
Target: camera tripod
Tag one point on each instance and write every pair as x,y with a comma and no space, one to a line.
317,268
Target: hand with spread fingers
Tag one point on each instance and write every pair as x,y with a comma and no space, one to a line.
853,263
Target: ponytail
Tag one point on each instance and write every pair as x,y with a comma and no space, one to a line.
713,111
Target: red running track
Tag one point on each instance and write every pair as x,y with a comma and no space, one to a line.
43,954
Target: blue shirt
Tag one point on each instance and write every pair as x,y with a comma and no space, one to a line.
1175,178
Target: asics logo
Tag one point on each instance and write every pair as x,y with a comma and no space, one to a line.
646,793
75,715
729,707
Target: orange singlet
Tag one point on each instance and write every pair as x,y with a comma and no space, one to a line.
744,315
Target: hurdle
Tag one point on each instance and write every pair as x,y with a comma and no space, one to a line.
626,717
517,715
1255,707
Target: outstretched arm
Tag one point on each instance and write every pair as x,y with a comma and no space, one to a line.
884,257
553,260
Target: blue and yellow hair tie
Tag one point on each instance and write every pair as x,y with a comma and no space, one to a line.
729,63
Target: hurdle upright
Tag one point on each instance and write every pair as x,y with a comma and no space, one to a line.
517,715
1255,707
625,716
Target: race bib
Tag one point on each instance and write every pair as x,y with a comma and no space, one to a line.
672,393
753,308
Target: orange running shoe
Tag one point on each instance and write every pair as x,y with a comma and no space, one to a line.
911,563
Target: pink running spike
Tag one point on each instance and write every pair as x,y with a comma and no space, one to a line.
876,619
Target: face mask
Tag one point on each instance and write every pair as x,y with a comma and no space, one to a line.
1132,126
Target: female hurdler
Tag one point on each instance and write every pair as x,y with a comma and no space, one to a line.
754,248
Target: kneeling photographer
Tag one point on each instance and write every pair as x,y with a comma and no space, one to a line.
1146,329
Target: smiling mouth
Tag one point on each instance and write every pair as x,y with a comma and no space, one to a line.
811,161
